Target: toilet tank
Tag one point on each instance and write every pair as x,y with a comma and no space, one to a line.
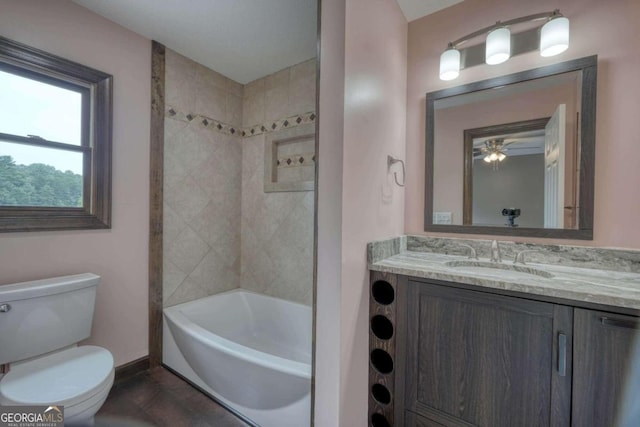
45,315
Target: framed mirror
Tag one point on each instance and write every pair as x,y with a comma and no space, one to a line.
514,155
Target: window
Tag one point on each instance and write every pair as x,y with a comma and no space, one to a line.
55,142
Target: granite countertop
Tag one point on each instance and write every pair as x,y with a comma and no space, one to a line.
606,287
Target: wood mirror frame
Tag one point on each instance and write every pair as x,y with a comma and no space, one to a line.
588,67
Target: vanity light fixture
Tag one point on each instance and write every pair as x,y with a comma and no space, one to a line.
554,35
498,48
450,63
554,39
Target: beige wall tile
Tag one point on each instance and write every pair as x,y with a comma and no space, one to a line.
253,109
185,150
304,69
253,88
203,181
222,231
212,224
186,198
276,228
235,88
302,88
211,101
211,274
172,127
187,250
277,80
172,225
276,103
187,291
172,278
180,89
234,109
207,77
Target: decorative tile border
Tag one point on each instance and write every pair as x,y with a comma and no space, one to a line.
217,125
204,121
296,160
289,122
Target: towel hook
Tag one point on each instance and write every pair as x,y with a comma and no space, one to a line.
390,162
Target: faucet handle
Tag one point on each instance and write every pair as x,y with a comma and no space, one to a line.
520,256
496,256
472,252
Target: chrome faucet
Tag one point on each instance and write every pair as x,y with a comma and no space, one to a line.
520,256
495,252
472,252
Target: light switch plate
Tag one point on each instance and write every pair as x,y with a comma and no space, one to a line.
442,218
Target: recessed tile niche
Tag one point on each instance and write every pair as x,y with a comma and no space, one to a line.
290,159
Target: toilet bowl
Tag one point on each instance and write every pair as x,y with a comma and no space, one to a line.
40,323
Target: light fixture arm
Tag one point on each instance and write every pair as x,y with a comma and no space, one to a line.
528,18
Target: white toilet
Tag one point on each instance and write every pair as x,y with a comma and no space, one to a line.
41,323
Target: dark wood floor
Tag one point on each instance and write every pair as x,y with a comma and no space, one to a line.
159,398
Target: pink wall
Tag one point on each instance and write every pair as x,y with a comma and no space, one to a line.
372,206
608,29
328,236
119,255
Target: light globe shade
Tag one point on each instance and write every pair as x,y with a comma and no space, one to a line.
450,64
554,36
498,46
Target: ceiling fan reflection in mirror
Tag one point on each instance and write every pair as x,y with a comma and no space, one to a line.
496,149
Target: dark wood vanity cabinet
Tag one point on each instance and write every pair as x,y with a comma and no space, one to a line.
467,357
603,347
482,359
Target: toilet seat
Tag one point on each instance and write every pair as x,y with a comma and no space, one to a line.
75,377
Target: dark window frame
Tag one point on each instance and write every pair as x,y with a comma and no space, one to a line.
97,109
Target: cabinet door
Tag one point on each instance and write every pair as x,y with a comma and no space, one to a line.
475,358
603,349
415,420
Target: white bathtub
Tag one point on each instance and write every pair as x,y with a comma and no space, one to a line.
249,351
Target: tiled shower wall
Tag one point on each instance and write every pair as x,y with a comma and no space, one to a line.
221,230
277,228
202,181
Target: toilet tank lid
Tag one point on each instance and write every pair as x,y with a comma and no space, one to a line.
44,287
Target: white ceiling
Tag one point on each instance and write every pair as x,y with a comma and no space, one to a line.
414,9
243,40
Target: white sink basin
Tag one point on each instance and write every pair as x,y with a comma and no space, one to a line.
484,267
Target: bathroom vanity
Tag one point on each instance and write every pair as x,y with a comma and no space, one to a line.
457,341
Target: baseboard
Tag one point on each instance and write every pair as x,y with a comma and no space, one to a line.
126,371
